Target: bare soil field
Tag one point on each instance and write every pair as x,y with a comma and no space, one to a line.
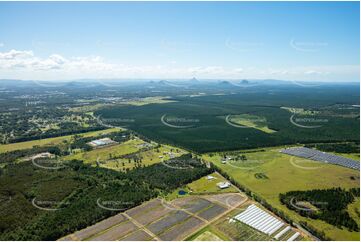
157,219
143,208
228,199
194,205
168,221
138,235
212,212
115,232
153,214
96,228
182,230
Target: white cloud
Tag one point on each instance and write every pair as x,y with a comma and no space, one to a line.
26,65
16,54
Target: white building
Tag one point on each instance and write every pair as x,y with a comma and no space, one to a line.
223,185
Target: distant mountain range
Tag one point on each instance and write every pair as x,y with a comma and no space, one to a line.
193,82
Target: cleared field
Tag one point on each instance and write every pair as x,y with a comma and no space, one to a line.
50,141
149,100
287,174
207,236
116,232
354,156
152,214
148,157
180,231
250,121
139,210
138,235
99,227
193,204
157,218
228,200
209,186
212,212
103,154
168,221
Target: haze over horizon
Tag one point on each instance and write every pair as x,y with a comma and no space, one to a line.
304,41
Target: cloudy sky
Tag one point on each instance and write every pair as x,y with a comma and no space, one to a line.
234,40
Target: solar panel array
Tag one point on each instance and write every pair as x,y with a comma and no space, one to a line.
259,219
322,156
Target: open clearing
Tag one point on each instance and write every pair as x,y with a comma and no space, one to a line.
159,219
289,174
203,186
251,121
149,100
115,157
207,236
209,186
51,141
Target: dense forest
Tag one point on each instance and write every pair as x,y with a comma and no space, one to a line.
210,132
328,205
351,147
73,192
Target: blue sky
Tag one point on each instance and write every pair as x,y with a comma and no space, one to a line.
315,41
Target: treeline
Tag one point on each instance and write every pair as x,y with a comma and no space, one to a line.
79,207
11,156
54,133
330,204
336,147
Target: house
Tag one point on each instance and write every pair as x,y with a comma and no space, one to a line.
223,185
209,177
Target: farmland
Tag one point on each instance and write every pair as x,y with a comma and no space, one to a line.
223,229
288,174
158,219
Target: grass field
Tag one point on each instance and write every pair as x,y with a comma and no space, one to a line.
103,154
50,141
202,186
287,174
148,157
205,186
207,236
107,157
208,233
354,156
149,100
251,121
